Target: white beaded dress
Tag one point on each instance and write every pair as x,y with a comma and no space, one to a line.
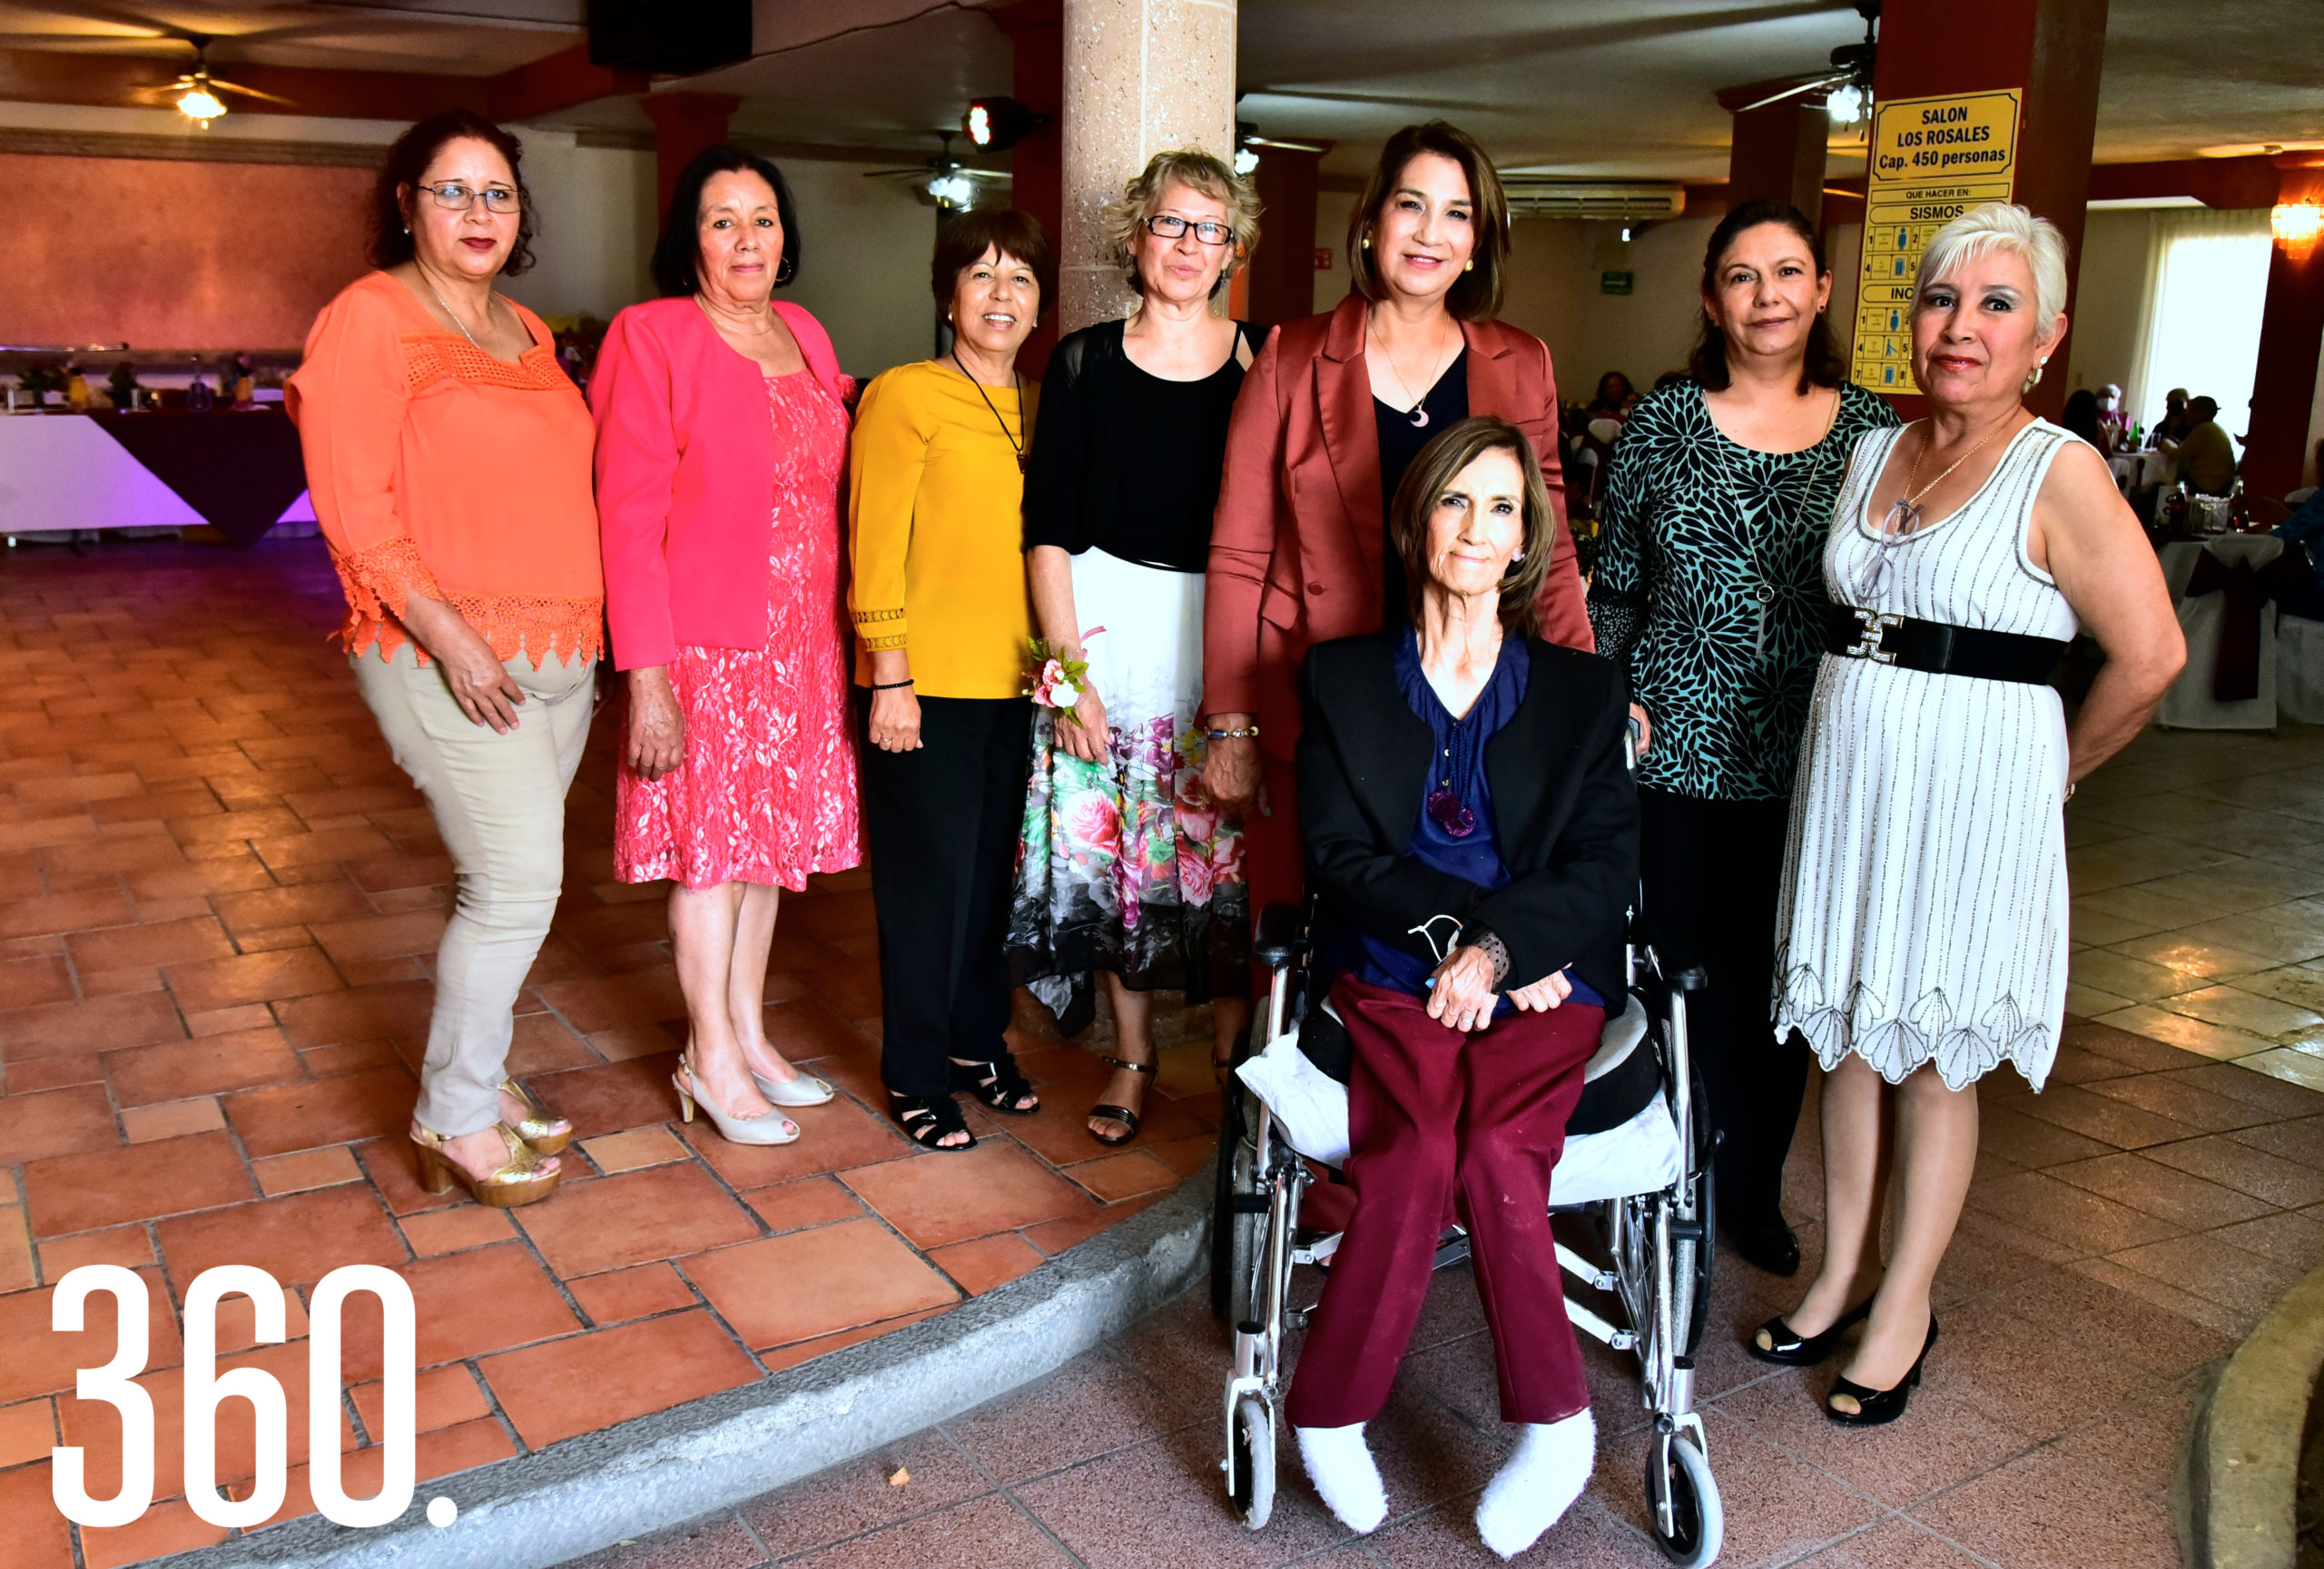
1924,909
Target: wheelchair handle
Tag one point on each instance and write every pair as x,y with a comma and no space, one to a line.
1694,978
1278,937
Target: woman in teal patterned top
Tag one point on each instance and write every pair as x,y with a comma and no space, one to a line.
1709,587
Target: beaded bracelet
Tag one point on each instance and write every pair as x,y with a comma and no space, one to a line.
1245,732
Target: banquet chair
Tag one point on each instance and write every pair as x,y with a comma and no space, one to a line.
2213,584
2299,669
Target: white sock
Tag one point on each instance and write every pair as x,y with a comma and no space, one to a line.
1339,1466
1548,1472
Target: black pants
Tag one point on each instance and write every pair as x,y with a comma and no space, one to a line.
943,823
1713,871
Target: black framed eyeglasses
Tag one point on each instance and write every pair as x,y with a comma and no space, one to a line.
460,198
1170,226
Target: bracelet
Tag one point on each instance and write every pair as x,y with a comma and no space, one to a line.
1246,733
2068,795
891,685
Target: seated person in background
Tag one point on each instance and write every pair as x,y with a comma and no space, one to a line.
1615,396
2082,417
2206,456
2113,418
2304,528
1472,831
2174,424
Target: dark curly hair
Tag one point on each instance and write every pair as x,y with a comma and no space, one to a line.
407,160
677,254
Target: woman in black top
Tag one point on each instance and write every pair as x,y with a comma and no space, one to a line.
1709,589
1125,868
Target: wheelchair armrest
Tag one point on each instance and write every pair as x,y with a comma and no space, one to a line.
1279,935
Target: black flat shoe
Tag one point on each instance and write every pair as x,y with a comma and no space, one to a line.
1877,1406
1767,1244
1791,1349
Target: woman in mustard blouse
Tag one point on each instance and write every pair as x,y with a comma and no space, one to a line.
939,600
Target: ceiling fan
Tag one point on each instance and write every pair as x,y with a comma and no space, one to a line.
943,183
196,93
1847,84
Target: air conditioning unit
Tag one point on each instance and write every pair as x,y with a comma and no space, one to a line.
1626,201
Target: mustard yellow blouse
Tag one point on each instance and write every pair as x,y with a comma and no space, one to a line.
936,537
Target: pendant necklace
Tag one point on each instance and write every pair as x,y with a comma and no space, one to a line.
1763,588
1901,526
1418,413
1019,376
454,316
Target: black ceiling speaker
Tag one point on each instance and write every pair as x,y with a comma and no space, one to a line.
666,39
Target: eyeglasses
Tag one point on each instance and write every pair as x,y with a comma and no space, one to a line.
460,198
1170,226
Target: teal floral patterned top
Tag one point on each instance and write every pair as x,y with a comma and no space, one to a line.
1709,588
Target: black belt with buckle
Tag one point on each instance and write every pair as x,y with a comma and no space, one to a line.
1940,647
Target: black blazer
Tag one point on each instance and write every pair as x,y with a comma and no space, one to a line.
1565,807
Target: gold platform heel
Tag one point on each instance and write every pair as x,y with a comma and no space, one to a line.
539,1127
520,1182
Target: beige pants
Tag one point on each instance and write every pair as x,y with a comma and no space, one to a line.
499,804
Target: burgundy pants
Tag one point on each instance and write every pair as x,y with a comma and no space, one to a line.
1435,1115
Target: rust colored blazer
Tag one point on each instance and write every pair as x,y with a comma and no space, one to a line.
1296,543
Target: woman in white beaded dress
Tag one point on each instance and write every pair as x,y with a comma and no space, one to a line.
1922,933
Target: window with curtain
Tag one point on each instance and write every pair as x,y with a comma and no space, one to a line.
2209,284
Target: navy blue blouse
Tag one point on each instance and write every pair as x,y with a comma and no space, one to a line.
1455,833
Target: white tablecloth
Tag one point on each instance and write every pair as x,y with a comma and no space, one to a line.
2189,704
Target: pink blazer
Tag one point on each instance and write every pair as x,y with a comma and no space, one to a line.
685,479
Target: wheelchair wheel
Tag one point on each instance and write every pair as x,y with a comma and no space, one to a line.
1682,1508
1237,1227
1250,1481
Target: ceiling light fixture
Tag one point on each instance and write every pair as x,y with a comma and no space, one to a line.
1245,161
996,124
199,104
954,190
2296,224
1845,104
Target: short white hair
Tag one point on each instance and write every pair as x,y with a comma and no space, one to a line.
2002,226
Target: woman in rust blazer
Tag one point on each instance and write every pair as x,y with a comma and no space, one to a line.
1331,414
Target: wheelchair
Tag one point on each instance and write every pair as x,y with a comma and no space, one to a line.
1635,1174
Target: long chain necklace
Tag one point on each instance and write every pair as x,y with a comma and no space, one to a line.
455,315
1018,379
1763,588
1419,410
1902,523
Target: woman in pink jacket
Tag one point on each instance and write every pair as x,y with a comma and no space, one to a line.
722,431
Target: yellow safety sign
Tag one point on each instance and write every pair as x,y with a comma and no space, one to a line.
1932,159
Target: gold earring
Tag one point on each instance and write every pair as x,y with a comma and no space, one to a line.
2032,381
1468,266
1365,242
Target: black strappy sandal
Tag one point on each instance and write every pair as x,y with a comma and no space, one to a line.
996,1085
1121,1114
925,1121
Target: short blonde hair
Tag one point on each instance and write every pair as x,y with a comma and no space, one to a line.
2002,226
1196,171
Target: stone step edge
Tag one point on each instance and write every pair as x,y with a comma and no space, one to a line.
2239,1479
652,1473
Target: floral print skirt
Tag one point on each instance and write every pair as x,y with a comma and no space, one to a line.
1124,865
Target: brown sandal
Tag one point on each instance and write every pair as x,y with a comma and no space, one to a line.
1121,1114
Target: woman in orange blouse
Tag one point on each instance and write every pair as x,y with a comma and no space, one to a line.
448,458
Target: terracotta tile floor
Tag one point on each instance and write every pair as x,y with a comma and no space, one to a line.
2126,1229
218,903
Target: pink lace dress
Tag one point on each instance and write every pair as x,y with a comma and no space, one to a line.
767,793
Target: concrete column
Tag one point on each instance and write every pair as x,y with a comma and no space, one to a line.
1778,152
1281,272
684,124
1141,76
2050,51
1036,164
2292,333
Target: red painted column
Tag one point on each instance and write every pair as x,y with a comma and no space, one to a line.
684,124
1036,30
1282,271
2050,51
2291,334
1778,152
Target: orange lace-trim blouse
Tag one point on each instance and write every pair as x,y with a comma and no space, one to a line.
439,470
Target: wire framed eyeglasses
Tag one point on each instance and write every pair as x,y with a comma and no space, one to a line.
460,198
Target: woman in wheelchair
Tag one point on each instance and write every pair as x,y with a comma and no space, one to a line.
1471,837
